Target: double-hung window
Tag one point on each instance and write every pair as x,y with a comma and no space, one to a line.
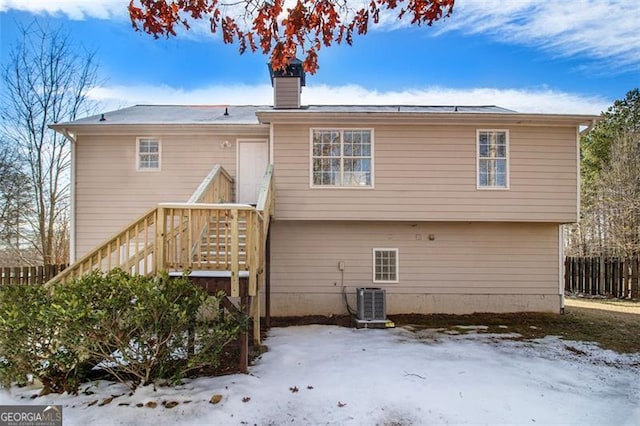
341,158
148,154
493,159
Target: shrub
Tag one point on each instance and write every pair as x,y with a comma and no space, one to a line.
137,328
34,339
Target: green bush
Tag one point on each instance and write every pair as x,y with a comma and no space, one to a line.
137,328
34,339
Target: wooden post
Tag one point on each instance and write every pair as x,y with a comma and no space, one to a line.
267,281
33,271
244,336
567,272
594,276
635,279
253,251
601,286
159,243
255,308
589,276
615,278
235,247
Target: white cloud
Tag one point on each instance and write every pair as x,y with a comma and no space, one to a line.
113,97
73,9
522,100
606,30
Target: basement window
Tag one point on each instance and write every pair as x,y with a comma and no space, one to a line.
385,265
148,154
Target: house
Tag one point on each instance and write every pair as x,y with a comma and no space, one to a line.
450,209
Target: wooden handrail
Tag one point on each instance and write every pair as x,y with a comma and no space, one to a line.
264,195
265,198
216,187
196,235
117,250
207,206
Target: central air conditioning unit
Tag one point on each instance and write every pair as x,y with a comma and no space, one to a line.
372,308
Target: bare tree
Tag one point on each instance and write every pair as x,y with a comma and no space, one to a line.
619,186
610,193
14,198
46,81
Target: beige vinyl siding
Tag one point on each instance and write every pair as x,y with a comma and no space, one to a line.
429,173
110,193
286,92
517,262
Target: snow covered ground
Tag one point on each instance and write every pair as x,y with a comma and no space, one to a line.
331,375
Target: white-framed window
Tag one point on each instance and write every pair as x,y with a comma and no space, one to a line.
342,158
386,265
493,159
148,154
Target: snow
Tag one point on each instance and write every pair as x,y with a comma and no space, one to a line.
333,375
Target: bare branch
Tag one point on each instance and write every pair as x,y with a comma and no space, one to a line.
47,81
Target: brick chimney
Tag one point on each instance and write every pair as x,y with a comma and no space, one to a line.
287,85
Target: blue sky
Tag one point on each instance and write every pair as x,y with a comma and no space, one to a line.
570,56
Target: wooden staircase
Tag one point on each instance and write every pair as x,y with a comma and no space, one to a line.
206,237
213,247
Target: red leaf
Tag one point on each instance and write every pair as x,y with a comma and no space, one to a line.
308,25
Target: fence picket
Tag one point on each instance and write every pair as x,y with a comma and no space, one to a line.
28,274
635,279
603,276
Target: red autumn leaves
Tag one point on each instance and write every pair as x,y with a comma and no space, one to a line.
304,29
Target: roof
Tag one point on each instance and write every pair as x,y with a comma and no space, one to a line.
246,114
403,108
174,114
249,117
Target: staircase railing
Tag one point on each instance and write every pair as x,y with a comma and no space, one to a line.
226,237
216,187
265,198
191,236
135,247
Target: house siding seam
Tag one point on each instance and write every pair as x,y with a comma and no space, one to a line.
110,193
467,267
429,173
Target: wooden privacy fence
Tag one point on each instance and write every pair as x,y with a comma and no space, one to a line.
603,276
29,274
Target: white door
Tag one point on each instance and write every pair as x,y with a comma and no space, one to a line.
253,158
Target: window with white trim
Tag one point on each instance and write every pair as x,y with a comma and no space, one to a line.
148,154
341,158
385,265
493,167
